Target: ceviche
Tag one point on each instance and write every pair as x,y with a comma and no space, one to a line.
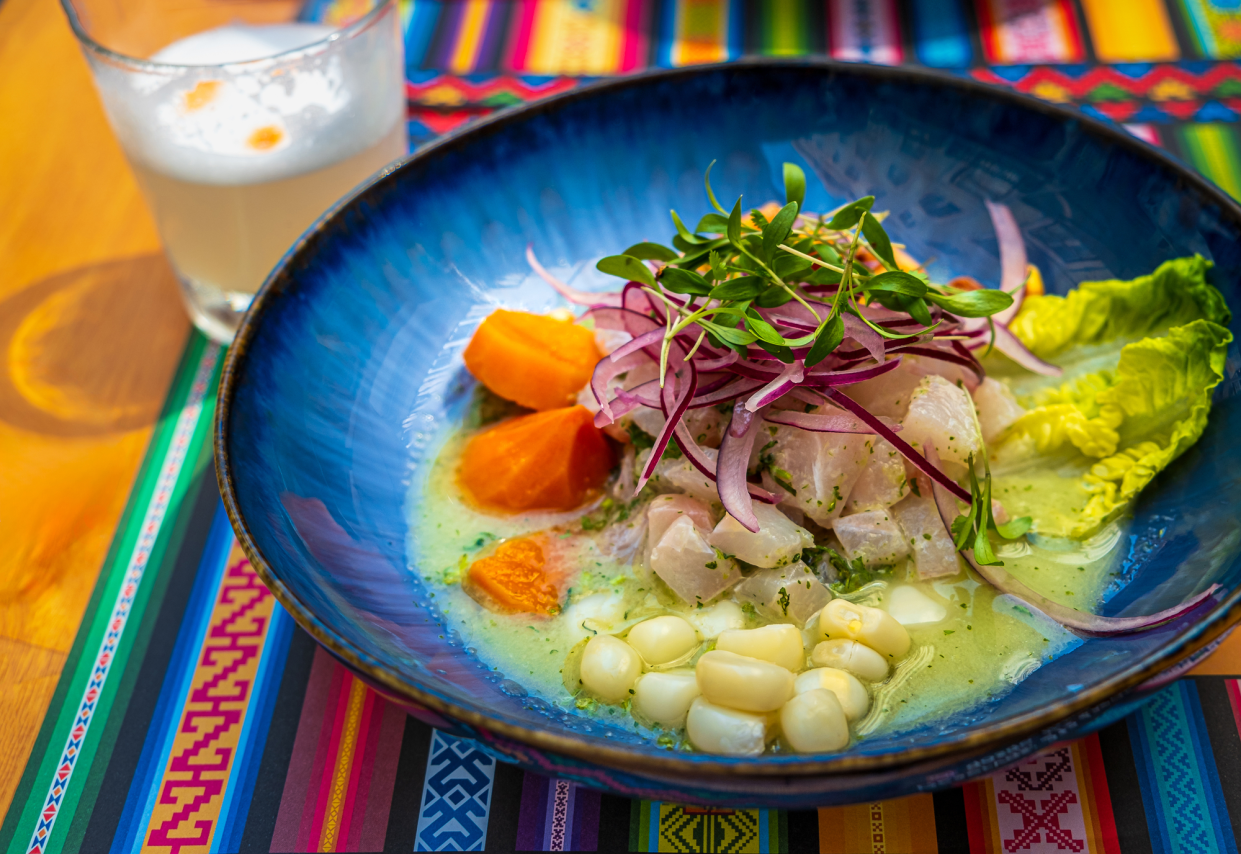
780,490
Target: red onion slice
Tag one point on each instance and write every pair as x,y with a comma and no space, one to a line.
731,464
835,378
1071,618
674,400
735,389
792,375
870,340
706,465
817,422
646,339
1012,250
573,295
932,471
967,362
718,362
605,371
1010,345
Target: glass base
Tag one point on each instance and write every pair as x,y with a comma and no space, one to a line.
217,313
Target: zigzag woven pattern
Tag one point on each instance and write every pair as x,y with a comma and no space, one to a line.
197,773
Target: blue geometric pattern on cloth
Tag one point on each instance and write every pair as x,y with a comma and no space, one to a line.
1181,791
456,796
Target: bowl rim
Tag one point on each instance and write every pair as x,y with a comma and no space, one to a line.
1223,616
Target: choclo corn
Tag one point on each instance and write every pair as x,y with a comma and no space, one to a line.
663,639
848,690
609,668
664,698
715,729
873,627
780,644
814,722
739,682
857,658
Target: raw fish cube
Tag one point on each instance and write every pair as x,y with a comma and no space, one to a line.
688,565
888,395
872,536
882,482
666,509
934,555
821,467
942,414
777,542
789,593
996,407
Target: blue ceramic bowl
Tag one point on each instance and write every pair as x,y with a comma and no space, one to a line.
348,369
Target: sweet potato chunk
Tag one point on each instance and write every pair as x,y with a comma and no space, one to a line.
514,579
532,359
543,461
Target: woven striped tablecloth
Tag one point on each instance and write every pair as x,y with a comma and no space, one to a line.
194,716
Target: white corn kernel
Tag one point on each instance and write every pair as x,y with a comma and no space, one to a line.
663,639
780,644
848,690
814,722
609,668
720,617
739,682
664,698
715,729
873,627
857,658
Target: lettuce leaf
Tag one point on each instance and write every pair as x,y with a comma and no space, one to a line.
1135,421
1097,312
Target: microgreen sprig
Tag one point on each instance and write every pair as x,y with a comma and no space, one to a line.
980,519
738,264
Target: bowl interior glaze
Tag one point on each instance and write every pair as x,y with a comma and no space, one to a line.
348,368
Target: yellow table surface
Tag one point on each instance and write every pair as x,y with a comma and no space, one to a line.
91,327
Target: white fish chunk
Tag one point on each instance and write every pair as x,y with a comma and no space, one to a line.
682,475
777,542
872,536
882,482
689,565
821,467
942,414
666,509
996,408
933,552
888,395
788,593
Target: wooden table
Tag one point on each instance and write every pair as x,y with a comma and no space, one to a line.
91,326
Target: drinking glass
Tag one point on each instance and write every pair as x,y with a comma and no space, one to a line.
243,125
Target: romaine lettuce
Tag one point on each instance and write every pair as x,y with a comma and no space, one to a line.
1097,312
1134,420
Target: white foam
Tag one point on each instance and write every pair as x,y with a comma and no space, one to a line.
241,43
251,124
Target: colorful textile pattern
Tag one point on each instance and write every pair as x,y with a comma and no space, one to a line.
1181,791
557,815
1057,800
905,824
338,789
212,726
657,826
456,796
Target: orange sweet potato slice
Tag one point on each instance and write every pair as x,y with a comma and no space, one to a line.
514,579
543,461
532,359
